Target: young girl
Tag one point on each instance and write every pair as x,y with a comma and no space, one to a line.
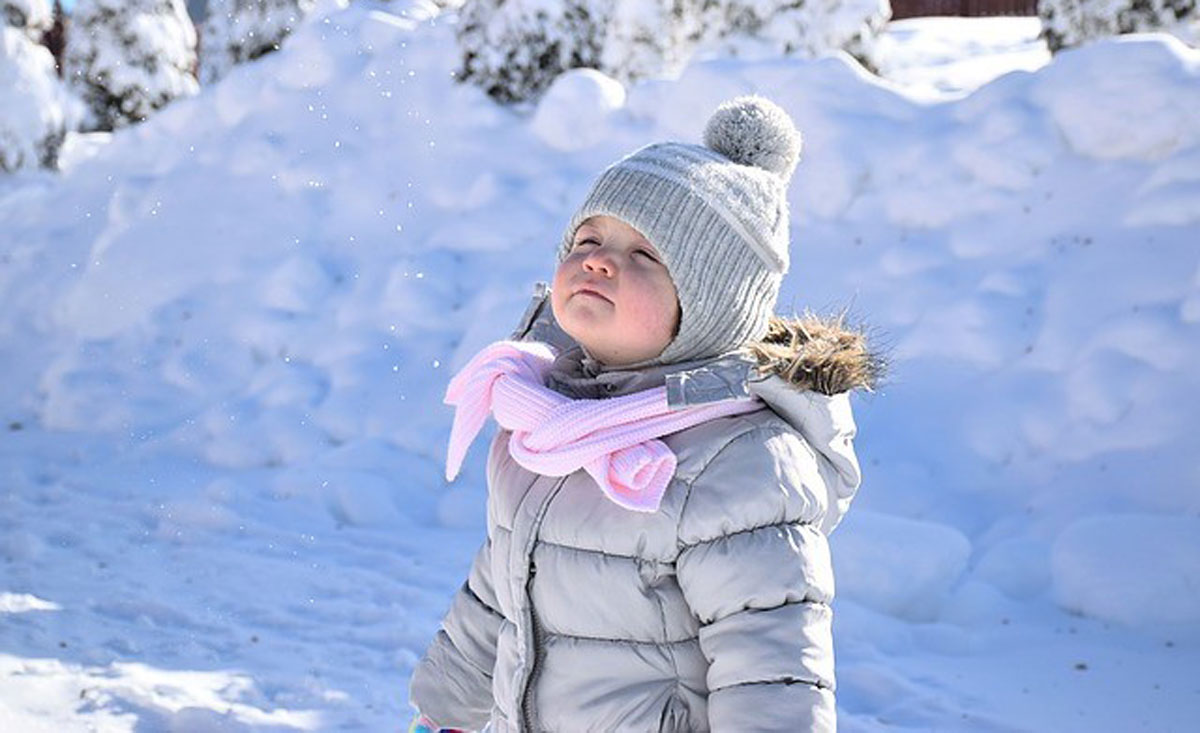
670,460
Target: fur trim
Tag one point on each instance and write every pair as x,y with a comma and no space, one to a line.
818,353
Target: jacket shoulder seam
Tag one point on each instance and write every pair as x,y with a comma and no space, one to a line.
817,683
786,523
603,553
690,484
695,638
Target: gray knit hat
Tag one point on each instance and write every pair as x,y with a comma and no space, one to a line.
718,214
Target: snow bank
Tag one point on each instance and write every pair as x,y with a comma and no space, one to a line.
369,234
1140,570
902,567
574,111
1106,110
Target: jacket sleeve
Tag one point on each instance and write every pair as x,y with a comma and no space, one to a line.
755,569
452,684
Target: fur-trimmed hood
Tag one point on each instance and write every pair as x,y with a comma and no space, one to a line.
804,369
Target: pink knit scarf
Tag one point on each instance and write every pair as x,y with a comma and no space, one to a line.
614,439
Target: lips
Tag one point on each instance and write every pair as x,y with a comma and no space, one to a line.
591,290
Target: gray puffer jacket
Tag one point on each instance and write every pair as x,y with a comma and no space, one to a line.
711,613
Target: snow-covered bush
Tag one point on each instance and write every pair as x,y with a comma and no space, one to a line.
1068,23
513,49
236,31
127,58
34,109
32,16
804,27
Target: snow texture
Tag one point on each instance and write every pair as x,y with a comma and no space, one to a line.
1100,566
901,567
128,58
226,333
1069,23
573,113
35,110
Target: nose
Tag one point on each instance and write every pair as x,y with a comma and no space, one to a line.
599,261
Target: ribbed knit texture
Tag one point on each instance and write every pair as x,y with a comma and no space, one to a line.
720,224
614,440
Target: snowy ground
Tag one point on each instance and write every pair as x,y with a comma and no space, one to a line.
225,335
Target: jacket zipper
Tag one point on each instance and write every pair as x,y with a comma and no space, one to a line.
533,646
531,678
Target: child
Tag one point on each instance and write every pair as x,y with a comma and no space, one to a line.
670,460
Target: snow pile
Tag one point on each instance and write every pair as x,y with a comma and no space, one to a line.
226,336
127,58
575,112
1117,117
1100,568
901,567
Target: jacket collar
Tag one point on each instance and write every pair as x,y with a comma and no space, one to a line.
825,421
808,384
699,381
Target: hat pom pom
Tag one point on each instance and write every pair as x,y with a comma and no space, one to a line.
753,130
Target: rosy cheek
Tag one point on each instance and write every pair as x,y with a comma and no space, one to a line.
563,269
558,287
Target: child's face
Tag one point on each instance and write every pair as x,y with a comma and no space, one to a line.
613,293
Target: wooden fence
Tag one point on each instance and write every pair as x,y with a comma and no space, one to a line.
921,8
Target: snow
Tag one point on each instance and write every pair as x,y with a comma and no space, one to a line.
1108,580
938,57
226,333
1101,125
23,603
898,566
573,112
